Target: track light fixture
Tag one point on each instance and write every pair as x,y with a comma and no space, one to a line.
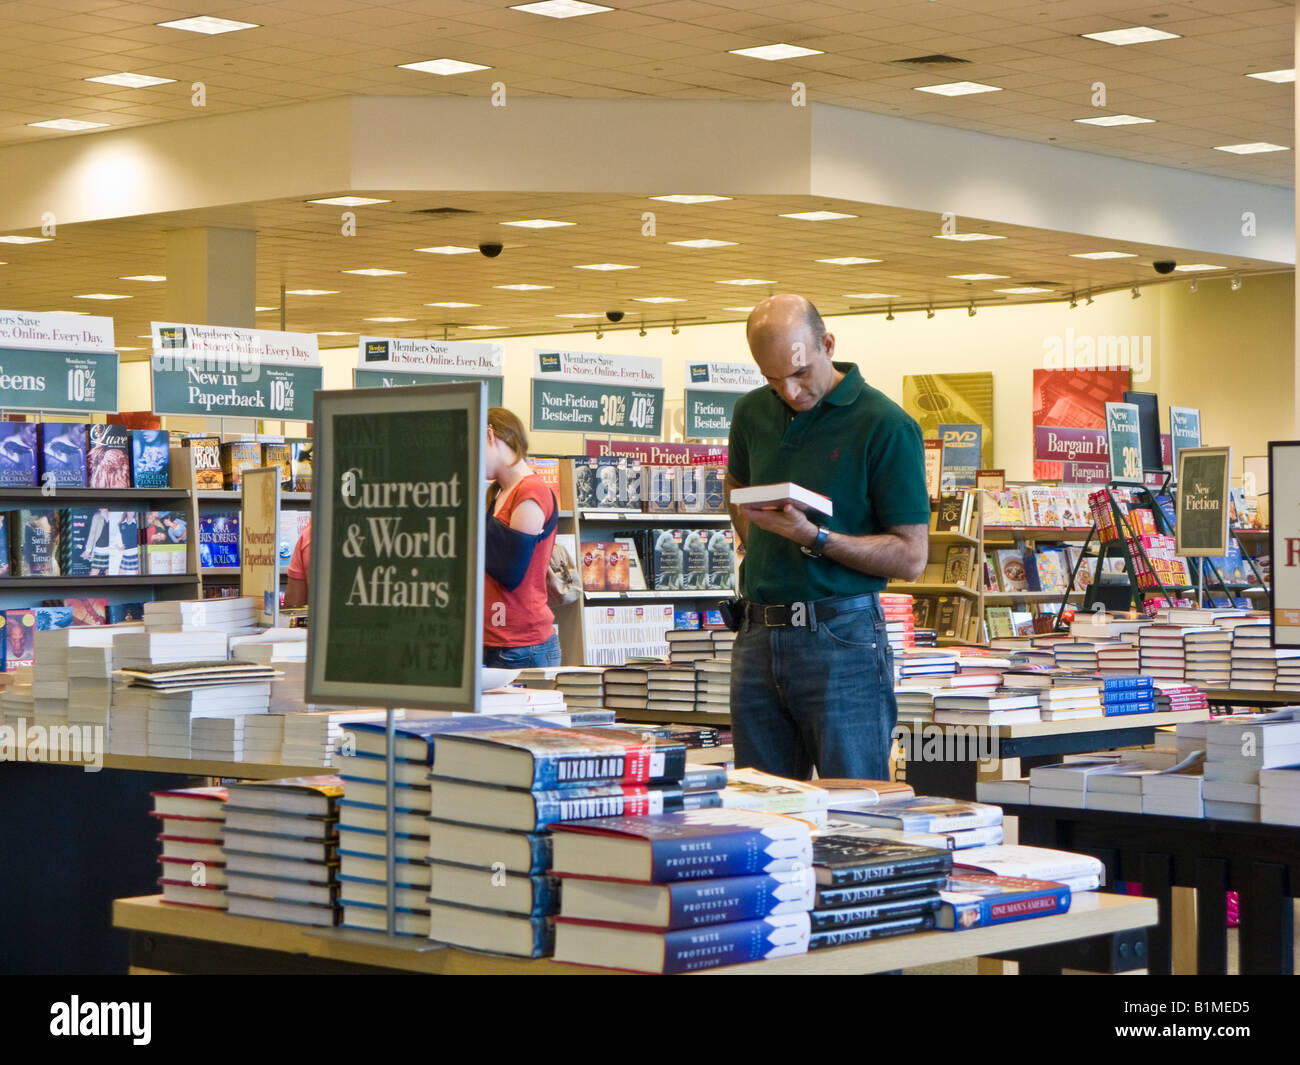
675,329
599,333
642,331
929,311
1137,292
1073,301
1236,283
1089,302
889,314
970,310
1194,286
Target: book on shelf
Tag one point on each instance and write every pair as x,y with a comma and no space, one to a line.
219,540
18,454
108,456
974,900
150,458
236,457
62,451
300,465
205,455
958,566
35,549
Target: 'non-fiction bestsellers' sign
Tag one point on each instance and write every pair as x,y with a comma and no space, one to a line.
961,455
223,371
259,554
1184,429
397,547
57,362
712,389
1204,476
392,362
589,392
1284,540
1124,442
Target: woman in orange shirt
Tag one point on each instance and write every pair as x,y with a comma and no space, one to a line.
518,626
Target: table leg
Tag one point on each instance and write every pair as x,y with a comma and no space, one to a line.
1183,941
1157,878
1266,923
1211,916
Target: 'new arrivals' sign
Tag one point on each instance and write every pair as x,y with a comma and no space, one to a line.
223,371
590,392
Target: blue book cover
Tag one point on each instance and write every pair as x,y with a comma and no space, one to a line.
150,458
218,540
973,900
899,926
693,903
557,758
119,612
62,454
53,617
698,844
688,950
18,447
1122,684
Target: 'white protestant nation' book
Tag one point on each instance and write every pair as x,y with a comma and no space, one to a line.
776,496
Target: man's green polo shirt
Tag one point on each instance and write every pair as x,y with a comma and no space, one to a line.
859,448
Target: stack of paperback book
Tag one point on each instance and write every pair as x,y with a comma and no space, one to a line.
926,820
1237,749
690,645
1208,655
85,656
899,621
870,887
1135,694
751,789
233,616
1066,783
1177,794
1065,701
286,653
518,699
1279,795
672,688
1005,706
1189,736
263,738
713,685
682,892
927,663
191,832
1121,789
1162,649
1257,667
281,844
1078,872
503,788
311,738
1171,695
1118,657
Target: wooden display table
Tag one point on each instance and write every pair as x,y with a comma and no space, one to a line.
955,772
1261,862
175,939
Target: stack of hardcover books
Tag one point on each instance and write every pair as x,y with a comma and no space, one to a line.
281,844
671,687
900,622
1128,695
750,789
581,687
683,892
1170,695
713,685
686,646
191,831
499,791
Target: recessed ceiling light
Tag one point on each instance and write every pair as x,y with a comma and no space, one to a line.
659,299
68,125
593,314
444,67
978,277
818,216
703,243
1102,255
451,303
1253,148
131,81
265,310
390,319
849,260
374,271
144,277
871,295
208,24
130,349
447,249
14,239
312,292
1278,77
1196,268
773,52
1114,120
103,296
523,288
1024,290
746,281
679,197
1132,35
560,8
606,266
349,201
958,88
739,310
336,333
481,327
966,236
538,223
84,314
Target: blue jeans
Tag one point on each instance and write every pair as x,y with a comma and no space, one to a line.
819,695
534,655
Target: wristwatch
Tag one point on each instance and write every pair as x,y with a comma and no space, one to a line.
815,551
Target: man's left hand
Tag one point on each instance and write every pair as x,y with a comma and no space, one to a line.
790,522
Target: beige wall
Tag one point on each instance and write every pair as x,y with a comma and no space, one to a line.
1229,353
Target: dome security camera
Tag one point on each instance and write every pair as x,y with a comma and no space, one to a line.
614,316
491,248
1164,266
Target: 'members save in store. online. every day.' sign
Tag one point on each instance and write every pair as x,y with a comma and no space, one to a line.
591,392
